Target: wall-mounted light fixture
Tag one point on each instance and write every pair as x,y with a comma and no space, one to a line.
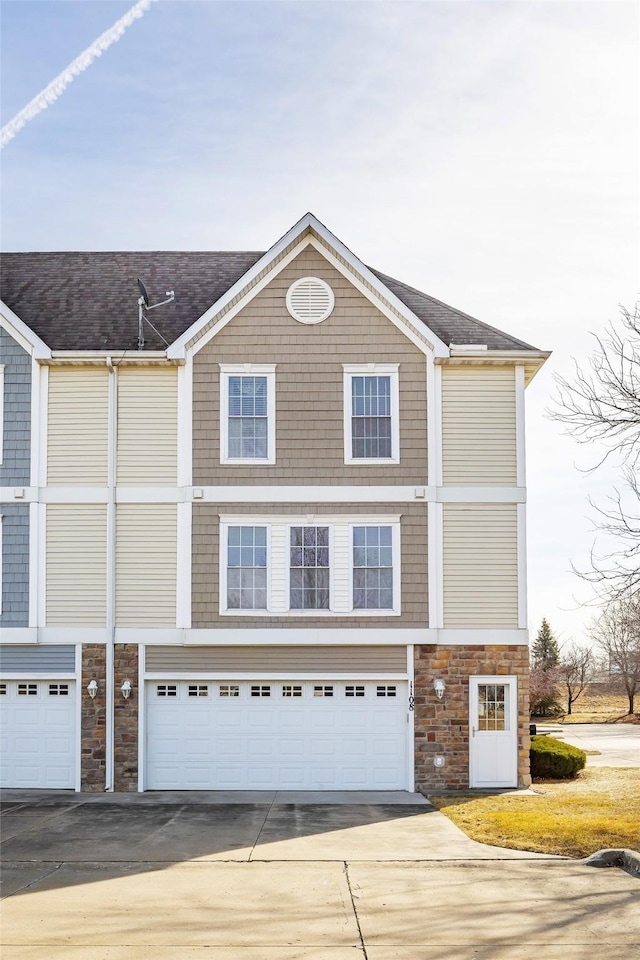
438,760
126,689
439,687
92,689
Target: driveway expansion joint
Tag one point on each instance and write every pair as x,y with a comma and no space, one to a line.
355,912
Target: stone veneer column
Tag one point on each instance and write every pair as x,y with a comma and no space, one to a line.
93,719
125,733
442,726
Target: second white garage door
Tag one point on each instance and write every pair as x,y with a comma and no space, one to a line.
261,735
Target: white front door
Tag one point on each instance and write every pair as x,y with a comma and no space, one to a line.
493,732
267,734
38,733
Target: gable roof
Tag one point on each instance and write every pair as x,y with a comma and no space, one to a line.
88,301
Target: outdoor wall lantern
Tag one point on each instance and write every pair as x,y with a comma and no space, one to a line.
92,689
126,689
438,686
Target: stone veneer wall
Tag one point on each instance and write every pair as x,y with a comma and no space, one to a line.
125,775
442,726
93,719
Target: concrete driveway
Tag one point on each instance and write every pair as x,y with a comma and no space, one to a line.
273,877
618,743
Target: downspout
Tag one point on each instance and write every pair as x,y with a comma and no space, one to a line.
111,572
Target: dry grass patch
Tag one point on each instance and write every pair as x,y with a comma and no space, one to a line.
573,818
594,706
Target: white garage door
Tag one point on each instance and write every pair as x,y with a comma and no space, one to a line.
261,735
37,733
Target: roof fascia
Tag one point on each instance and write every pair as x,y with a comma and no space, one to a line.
23,334
116,357
178,347
306,227
439,348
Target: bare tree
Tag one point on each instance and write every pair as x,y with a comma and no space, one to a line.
602,403
543,691
616,633
575,671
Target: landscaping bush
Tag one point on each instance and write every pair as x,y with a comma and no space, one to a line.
551,759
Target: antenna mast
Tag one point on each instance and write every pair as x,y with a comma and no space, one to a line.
143,304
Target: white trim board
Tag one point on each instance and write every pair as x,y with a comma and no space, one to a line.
22,334
273,493
299,237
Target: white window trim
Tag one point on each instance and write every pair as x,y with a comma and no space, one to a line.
396,558
340,568
371,369
267,370
222,579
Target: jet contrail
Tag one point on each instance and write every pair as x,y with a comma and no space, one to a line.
51,92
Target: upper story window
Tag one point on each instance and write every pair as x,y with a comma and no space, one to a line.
309,575
247,413
373,568
310,566
246,568
371,413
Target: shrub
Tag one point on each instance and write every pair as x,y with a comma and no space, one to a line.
551,759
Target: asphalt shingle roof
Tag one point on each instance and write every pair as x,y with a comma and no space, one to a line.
88,301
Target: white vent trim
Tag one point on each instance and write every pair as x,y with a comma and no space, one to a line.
310,300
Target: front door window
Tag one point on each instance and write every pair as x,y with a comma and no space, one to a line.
493,706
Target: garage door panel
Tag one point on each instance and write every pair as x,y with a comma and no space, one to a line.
277,735
39,741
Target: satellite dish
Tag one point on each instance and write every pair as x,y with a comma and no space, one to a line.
143,291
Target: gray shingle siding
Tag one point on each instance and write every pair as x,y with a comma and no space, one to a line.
15,565
16,454
22,659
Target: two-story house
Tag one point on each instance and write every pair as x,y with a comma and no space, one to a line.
269,535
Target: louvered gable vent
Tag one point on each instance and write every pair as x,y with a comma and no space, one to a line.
310,300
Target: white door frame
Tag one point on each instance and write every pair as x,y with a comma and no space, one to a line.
501,745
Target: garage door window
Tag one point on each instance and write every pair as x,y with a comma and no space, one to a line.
229,690
27,689
58,689
166,690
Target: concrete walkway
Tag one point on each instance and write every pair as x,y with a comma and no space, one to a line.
133,877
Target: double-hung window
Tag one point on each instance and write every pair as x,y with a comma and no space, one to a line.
247,413
309,569
373,568
371,414
310,566
246,568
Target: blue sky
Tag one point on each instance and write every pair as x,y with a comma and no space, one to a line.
486,152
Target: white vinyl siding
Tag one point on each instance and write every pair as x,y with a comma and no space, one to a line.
146,565
480,565
147,426
77,426
76,571
479,426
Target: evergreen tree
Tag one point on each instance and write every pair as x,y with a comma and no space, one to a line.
545,652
